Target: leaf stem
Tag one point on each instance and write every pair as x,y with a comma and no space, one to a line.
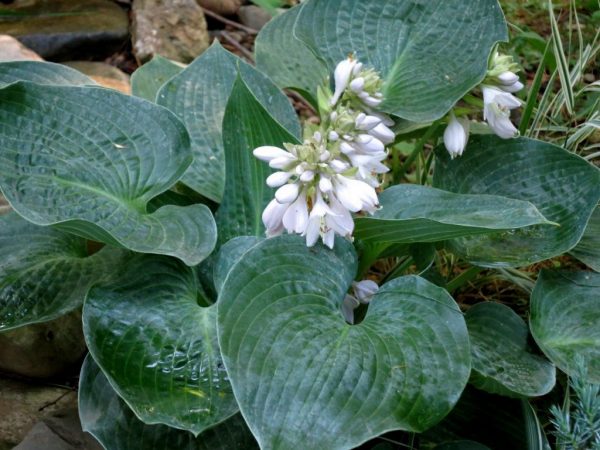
463,278
416,152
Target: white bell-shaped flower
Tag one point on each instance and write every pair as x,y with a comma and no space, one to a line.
456,136
496,111
341,76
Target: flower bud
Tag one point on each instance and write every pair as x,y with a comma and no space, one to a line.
508,78
341,75
287,193
455,137
278,178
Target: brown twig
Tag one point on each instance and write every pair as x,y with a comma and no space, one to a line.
54,402
226,21
238,46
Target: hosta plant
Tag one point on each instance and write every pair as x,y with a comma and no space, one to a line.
248,280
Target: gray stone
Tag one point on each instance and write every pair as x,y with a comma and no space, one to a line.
175,29
13,50
226,7
103,74
43,350
254,17
66,29
22,405
42,436
60,432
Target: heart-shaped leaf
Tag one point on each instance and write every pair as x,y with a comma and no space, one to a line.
89,159
107,417
148,79
414,213
564,188
502,362
588,248
287,60
198,96
246,126
158,347
300,373
427,65
41,73
565,313
45,273
229,254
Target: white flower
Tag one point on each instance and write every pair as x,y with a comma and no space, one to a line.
278,178
316,222
508,78
383,133
272,217
355,195
348,306
363,293
496,111
456,136
516,87
295,218
287,193
366,122
365,290
268,153
341,75
368,165
370,100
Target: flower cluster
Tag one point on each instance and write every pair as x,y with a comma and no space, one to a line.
497,89
333,173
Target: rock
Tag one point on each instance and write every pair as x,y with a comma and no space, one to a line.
42,436
175,29
60,432
254,17
13,50
22,405
225,7
66,29
43,350
103,74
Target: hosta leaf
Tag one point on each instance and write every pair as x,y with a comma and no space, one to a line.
45,273
414,213
229,254
41,73
108,418
89,159
287,60
426,63
300,373
158,347
148,79
588,248
502,362
246,125
565,313
563,187
198,96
